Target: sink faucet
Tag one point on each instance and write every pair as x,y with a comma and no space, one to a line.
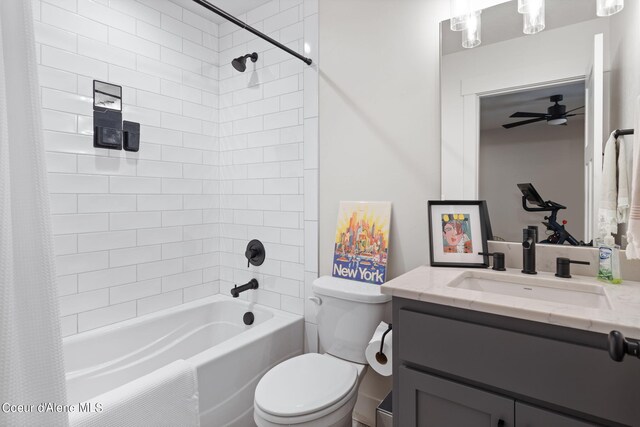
529,237
251,284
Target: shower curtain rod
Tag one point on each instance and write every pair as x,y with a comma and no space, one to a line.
249,28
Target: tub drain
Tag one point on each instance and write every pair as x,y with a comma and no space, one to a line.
248,318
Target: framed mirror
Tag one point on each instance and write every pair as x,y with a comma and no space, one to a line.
537,109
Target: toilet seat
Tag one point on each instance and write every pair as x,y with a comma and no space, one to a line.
306,388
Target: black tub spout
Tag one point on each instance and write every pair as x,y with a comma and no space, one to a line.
237,290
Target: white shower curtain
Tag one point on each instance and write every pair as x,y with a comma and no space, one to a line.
31,363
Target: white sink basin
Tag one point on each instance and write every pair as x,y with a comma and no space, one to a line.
531,287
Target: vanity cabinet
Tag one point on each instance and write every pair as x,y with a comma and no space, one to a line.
458,367
434,401
530,416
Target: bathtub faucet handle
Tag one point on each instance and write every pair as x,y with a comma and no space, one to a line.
255,253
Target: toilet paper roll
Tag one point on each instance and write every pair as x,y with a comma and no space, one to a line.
381,363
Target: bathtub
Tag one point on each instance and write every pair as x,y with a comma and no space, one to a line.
230,357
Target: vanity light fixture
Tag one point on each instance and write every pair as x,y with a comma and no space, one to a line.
471,34
608,7
533,15
460,9
466,18
533,22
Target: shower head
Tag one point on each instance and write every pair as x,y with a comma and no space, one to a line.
240,63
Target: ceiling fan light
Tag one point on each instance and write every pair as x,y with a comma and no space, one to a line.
608,7
558,121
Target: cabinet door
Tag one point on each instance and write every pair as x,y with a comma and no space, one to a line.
429,401
530,416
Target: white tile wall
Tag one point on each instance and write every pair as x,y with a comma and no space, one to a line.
268,157
225,157
121,219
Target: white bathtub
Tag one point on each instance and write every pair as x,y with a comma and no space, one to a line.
230,357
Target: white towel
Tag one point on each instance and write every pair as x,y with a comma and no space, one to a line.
165,397
623,183
608,208
633,228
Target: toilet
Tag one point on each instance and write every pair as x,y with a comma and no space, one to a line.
321,389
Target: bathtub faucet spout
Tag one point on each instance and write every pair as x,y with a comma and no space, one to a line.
251,284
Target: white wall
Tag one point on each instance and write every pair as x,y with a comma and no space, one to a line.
380,117
625,68
134,232
268,156
550,157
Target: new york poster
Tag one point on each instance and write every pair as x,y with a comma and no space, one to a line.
361,245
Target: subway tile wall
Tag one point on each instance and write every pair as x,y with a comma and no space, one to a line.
268,138
225,157
134,232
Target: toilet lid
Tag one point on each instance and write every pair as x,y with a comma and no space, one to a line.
305,384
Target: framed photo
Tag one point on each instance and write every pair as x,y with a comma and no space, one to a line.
458,233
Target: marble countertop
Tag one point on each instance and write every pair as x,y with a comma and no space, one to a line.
432,284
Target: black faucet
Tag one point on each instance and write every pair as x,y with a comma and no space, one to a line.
251,284
529,237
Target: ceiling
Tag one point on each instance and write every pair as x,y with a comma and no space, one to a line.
503,22
233,7
495,110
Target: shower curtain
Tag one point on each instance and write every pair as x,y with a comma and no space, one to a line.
31,363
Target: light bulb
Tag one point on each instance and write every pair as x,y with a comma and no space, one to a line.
534,17
472,32
608,7
460,9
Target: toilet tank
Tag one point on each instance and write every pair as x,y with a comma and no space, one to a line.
348,314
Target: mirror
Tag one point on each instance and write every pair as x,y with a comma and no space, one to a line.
569,86
107,95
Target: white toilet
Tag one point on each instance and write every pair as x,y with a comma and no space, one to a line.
321,389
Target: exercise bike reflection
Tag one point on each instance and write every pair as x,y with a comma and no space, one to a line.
559,233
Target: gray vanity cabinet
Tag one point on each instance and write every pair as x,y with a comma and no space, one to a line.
530,416
433,401
436,402
465,368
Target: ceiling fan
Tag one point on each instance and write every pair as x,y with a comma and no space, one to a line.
555,115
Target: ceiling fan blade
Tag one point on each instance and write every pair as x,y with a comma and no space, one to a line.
574,109
574,114
525,114
523,122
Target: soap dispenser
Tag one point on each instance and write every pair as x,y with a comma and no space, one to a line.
609,254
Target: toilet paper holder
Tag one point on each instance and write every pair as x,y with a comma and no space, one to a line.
381,358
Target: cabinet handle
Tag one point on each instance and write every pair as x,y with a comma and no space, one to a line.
501,423
619,346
